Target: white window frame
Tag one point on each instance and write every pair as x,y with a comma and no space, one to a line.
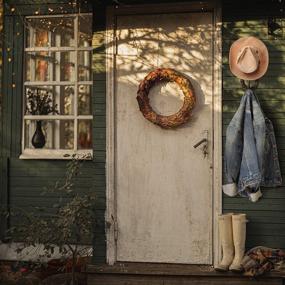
29,153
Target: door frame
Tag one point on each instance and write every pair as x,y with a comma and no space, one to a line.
110,41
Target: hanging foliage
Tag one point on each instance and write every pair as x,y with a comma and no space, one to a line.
167,75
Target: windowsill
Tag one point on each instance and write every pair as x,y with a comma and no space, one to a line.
56,154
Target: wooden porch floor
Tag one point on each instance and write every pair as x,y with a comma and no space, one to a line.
171,274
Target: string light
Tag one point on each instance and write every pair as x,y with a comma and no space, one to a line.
75,4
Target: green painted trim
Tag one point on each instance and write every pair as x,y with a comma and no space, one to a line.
6,118
99,130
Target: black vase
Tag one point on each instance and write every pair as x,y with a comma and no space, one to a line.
38,139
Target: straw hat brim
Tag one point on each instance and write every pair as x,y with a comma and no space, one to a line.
237,46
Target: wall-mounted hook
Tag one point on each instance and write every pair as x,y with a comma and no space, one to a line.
247,84
274,27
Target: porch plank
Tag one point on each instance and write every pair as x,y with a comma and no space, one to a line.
219,281
124,280
119,279
162,269
152,269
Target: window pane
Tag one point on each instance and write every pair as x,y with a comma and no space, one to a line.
50,32
84,65
46,71
85,30
66,105
50,66
84,99
62,99
66,140
57,134
84,134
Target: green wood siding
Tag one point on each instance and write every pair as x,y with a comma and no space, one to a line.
267,217
22,181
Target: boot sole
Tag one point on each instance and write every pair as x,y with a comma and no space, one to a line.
221,270
236,270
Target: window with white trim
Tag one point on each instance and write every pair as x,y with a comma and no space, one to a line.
57,120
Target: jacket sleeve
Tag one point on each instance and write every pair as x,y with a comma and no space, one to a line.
233,151
232,160
254,134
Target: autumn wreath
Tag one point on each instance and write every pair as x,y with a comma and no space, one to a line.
169,75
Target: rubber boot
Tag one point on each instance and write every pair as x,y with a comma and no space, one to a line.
239,235
226,241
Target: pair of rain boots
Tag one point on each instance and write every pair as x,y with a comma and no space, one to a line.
232,229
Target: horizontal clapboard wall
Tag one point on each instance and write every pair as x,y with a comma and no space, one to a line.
23,181
267,217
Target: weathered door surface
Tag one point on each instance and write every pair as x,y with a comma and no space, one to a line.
163,185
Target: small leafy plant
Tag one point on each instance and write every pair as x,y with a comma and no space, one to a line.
68,228
39,102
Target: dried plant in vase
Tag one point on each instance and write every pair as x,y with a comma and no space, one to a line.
39,102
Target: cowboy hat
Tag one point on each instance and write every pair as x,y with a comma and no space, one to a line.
248,58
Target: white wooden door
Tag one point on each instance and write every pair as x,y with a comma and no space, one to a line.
163,185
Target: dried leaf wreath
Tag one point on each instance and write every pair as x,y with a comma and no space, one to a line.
169,75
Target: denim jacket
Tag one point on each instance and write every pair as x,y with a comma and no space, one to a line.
251,157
